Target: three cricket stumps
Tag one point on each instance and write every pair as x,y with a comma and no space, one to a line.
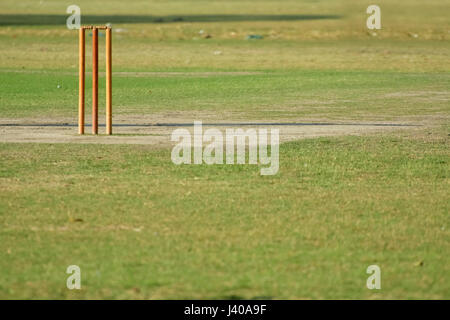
82,71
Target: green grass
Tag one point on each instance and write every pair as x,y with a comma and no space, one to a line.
141,227
151,229
345,95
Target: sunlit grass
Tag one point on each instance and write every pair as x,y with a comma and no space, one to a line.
150,229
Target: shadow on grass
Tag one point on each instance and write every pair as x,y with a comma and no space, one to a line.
38,19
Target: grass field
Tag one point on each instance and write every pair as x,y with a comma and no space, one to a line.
141,227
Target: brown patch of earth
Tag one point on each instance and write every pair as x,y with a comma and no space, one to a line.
156,129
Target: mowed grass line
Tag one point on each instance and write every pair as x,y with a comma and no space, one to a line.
322,94
150,229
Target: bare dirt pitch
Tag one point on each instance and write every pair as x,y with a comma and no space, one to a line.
156,129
